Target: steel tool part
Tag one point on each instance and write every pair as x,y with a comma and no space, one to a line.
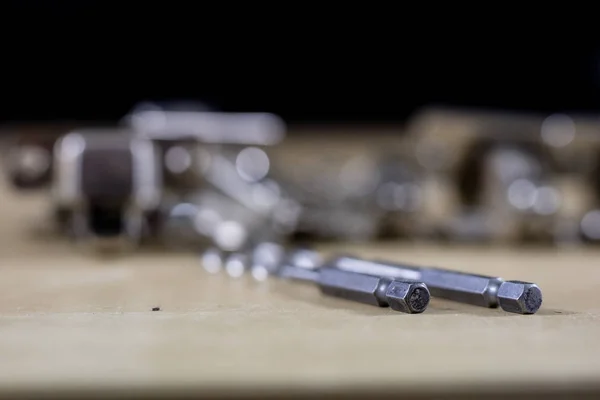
400,295
337,197
480,290
269,257
236,264
29,165
507,172
265,259
400,196
246,181
213,260
27,152
108,182
208,126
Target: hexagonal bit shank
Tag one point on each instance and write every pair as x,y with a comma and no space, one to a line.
404,296
480,290
473,289
356,287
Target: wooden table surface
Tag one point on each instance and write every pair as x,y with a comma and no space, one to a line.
73,321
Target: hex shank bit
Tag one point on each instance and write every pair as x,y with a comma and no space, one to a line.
404,296
480,290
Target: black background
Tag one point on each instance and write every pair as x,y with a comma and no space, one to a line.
305,61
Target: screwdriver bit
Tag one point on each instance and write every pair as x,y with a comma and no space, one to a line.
400,295
480,290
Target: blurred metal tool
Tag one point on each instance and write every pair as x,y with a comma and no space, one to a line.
518,188
206,217
590,226
183,164
480,290
207,126
28,154
337,199
234,264
108,182
192,139
400,295
509,194
442,136
503,168
212,260
269,257
400,196
209,155
589,220
237,264
226,207
30,165
258,196
266,258
244,175
27,151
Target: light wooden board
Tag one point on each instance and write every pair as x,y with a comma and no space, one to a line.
69,320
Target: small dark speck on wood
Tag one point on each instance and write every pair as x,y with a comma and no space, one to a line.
155,308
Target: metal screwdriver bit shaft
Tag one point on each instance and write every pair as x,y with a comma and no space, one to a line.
404,296
480,290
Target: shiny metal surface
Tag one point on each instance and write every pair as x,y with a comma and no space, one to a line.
406,296
480,290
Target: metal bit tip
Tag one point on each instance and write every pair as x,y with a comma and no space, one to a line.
519,297
408,297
